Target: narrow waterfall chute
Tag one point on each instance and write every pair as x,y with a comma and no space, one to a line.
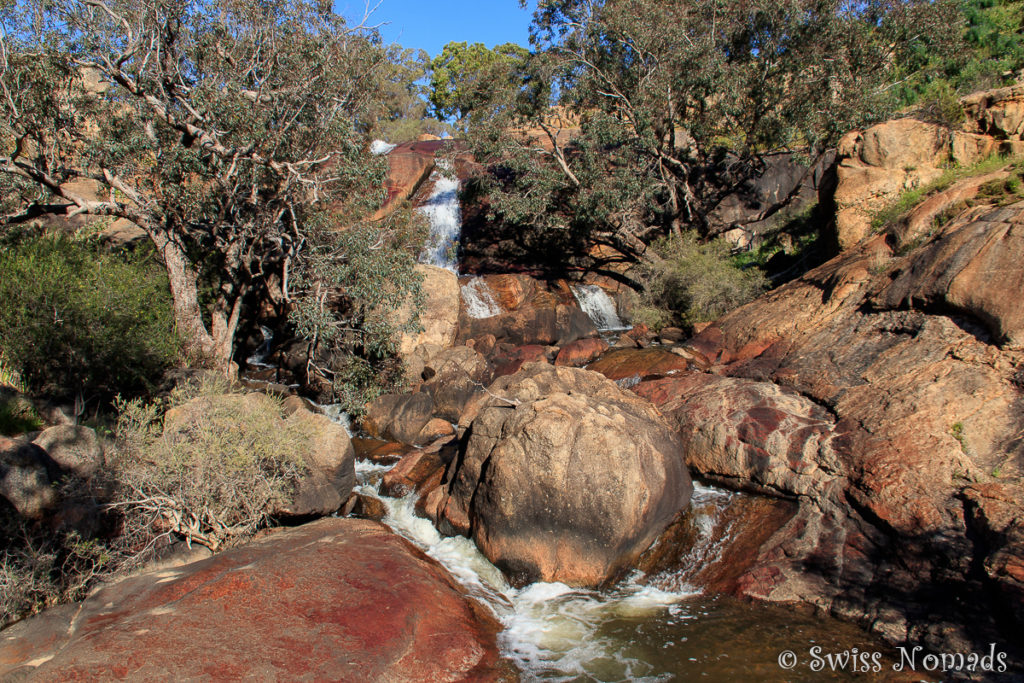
479,299
596,303
445,216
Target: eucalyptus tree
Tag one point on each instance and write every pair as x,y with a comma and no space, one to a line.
233,132
677,100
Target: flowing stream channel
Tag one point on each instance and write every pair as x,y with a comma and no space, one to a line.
658,630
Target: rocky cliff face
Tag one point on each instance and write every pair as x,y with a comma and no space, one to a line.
878,164
883,392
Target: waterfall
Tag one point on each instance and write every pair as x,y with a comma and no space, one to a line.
380,148
442,210
599,306
259,357
479,299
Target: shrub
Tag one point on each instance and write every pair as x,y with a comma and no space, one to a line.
40,568
696,281
212,470
77,320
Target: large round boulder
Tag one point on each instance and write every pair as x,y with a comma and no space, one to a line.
565,477
335,600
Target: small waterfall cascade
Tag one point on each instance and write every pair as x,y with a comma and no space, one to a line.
553,631
596,303
380,148
479,299
445,216
259,357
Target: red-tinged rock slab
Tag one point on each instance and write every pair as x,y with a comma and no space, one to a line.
337,600
378,451
509,362
580,352
638,363
913,357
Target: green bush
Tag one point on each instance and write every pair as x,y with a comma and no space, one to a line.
212,470
695,282
80,321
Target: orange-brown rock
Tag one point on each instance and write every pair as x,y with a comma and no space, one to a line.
411,473
878,164
624,363
338,599
409,166
564,477
882,391
580,352
508,362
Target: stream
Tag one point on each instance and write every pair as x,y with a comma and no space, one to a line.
659,630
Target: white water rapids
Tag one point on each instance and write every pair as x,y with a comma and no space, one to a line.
551,631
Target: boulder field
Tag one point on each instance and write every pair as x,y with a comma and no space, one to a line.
337,599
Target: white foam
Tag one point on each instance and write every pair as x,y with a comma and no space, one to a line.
479,299
445,216
380,147
551,630
596,303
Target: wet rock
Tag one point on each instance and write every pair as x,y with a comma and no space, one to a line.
564,477
581,352
411,473
552,324
365,507
671,335
398,417
380,452
623,363
338,599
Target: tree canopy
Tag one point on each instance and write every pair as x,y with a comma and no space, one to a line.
678,100
464,77
233,132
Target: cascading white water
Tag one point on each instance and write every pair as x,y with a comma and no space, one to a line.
552,631
259,357
599,306
479,299
380,148
443,212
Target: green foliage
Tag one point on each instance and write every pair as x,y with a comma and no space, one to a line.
226,129
17,414
670,112
80,320
905,202
357,291
404,98
464,77
957,431
695,282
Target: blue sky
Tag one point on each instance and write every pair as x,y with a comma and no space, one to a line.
430,24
